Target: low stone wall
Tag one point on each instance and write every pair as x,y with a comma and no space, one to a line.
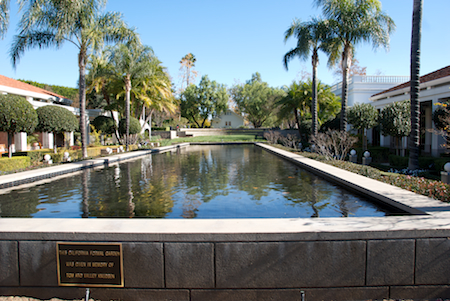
242,266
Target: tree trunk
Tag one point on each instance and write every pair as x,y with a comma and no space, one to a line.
315,62
127,110
10,136
298,122
54,143
82,91
414,86
346,63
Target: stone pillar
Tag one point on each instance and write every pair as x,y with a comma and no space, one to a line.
445,175
47,140
20,142
367,159
70,138
353,157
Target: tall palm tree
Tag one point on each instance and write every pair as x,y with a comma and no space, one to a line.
130,64
414,85
99,78
4,17
311,36
354,22
50,23
157,92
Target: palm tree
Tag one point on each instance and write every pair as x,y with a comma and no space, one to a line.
414,86
157,92
130,64
99,78
311,36
50,23
354,22
4,17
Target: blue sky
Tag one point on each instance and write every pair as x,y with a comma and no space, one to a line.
233,39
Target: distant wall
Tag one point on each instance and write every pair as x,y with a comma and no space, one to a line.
212,132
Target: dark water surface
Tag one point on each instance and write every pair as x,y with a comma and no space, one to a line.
233,181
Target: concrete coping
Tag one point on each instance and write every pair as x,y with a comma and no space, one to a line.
431,218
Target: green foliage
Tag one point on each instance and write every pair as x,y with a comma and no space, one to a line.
208,99
362,116
69,93
256,100
430,163
441,117
135,126
395,119
56,119
104,124
14,163
17,114
331,124
398,161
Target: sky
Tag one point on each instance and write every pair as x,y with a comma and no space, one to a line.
232,39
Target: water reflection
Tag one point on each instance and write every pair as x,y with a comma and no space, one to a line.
198,182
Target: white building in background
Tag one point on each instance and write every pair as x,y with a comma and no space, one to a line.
37,97
362,87
434,88
229,119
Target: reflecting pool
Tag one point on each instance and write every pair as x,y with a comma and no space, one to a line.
216,181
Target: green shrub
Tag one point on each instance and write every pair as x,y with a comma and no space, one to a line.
398,161
135,126
56,119
14,163
379,154
104,124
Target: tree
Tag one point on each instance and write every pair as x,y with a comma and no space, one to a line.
56,120
414,138
311,36
4,17
299,99
129,64
188,75
134,126
362,117
441,119
395,120
16,115
355,69
354,22
207,100
50,23
256,100
104,124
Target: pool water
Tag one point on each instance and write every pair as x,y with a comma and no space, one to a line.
215,181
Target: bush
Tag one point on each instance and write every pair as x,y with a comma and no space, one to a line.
16,115
105,125
333,144
15,163
56,119
398,161
135,126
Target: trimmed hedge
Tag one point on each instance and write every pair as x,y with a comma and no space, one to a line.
431,163
14,163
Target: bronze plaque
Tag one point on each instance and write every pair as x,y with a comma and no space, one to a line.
90,264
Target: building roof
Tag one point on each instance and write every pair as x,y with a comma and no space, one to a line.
12,83
423,79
